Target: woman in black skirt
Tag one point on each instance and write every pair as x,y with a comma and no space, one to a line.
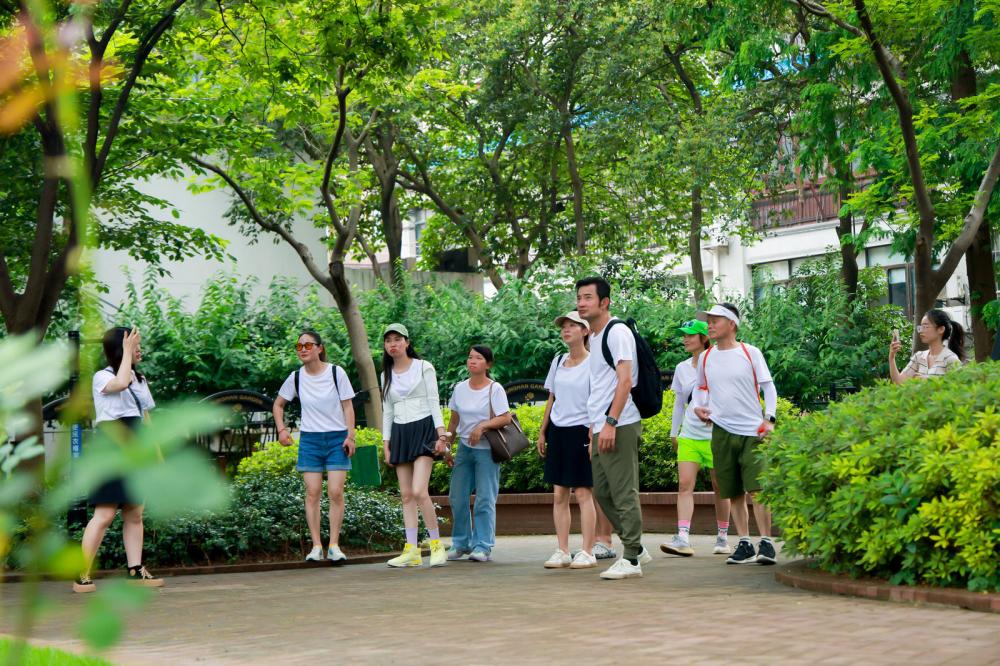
412,426
121,394
564,442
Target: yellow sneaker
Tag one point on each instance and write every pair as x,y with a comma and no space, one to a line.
439,556
409,558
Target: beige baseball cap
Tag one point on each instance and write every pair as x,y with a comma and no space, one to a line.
396,328
573,316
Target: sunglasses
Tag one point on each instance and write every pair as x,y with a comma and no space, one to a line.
308,346
689,323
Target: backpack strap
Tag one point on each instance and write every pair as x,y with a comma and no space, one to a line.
336,385
704,367
605,349
756,386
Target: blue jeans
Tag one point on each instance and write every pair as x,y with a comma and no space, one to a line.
474,470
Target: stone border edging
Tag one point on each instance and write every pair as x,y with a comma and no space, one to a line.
799,575
203,570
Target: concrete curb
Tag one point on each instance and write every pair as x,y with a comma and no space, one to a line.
204,570
799,575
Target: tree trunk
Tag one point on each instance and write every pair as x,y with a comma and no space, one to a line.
357,335
694,242
848,250
577,184
982,287
392,227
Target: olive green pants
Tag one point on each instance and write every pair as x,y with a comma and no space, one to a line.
616,485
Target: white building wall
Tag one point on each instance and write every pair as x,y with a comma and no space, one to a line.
262,260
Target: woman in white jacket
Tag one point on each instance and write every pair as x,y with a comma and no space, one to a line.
412,426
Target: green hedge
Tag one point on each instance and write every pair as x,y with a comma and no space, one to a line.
265,520
902,483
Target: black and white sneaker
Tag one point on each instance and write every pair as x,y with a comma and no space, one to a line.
765,552
744,553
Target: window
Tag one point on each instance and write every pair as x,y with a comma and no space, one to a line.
902,287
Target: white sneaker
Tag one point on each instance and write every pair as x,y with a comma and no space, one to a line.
644,556
622,569
559,560
583,560
721,546
335,554
603,552
315,555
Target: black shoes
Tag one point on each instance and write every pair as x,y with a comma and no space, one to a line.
765,552
744,553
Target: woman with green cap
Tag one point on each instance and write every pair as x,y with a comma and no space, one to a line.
692,439
412,426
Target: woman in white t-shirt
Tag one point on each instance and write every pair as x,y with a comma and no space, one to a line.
326,436
121,395
412,427
564,442
477,404
692,439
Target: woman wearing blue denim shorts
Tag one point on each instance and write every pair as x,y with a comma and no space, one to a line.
326,441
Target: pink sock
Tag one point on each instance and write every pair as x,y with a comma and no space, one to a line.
411,535
683,528
723,527
435,534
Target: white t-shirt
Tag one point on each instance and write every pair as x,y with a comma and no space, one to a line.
732,396
689,426
604,381
404,382
321,408
473,407
571,388
113,406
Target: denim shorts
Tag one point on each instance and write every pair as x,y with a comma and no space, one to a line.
323,452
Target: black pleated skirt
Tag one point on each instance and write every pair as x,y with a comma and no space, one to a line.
409,441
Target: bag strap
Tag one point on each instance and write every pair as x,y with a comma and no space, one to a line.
756,386
336,385
753,369
489,399
138,405
605,349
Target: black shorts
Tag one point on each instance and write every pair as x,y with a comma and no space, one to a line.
567,456
113,490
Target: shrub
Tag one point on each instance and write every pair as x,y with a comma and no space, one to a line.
265,520
897,482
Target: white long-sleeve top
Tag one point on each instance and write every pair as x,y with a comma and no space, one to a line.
412,404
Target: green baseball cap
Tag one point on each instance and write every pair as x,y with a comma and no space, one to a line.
396,328
694,327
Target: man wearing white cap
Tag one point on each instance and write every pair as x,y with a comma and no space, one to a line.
734,374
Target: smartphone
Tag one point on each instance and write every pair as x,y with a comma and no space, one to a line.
895,335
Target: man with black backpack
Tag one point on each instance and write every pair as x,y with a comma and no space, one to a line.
618,397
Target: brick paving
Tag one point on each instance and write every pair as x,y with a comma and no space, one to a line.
692,611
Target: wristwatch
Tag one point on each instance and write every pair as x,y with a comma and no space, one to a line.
772,419
611,421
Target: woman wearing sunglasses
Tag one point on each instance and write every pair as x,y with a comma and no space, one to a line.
326,440
692,439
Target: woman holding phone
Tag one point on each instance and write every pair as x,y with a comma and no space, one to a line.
945,340
326,439
121,395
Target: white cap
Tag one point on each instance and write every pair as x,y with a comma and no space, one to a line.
720,311
573,316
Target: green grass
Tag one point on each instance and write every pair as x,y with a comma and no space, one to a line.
38,656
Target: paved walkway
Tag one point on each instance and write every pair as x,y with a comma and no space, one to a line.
512,611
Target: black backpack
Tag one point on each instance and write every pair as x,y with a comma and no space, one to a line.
647,394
